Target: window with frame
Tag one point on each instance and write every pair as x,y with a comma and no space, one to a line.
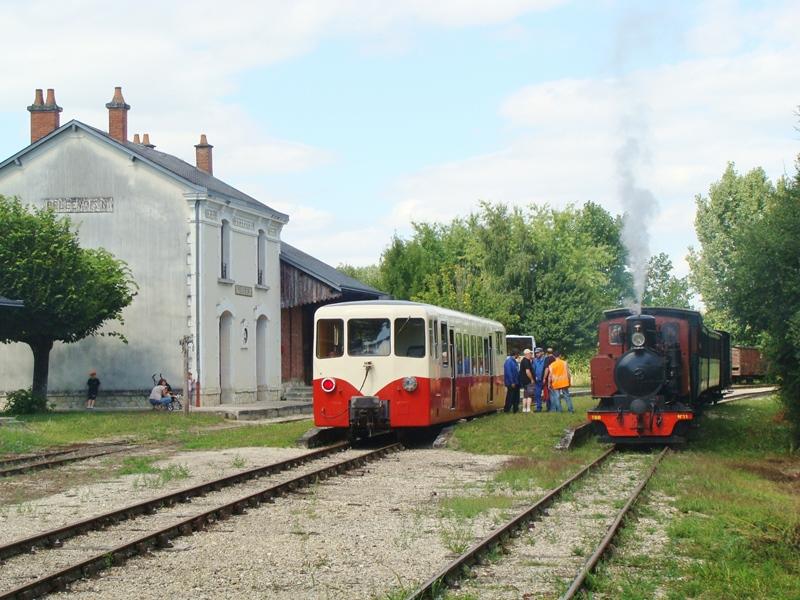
409,337
225,251
615,334
445,346
330,338
369,337
459,358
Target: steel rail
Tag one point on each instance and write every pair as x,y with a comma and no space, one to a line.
429,589
612,531
15,460
59,580
55,537
19,469
746,395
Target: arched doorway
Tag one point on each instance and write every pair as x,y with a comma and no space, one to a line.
261,358
225,375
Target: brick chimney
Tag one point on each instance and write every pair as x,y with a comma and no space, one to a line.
118,116
146,141
203,150
45,116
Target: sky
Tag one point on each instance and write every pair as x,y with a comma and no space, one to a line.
358,117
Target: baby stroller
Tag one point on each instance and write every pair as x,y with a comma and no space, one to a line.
175,399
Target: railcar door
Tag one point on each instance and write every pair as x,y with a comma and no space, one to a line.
453,367
488,352
447,370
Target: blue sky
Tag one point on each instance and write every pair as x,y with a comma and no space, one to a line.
356,117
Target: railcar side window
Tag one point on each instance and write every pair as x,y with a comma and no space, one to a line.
409,337
330,335
459,358
368,337
615,334
445,346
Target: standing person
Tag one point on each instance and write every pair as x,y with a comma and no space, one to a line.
526,379
560,380
538,377
93,383
511,381
548,360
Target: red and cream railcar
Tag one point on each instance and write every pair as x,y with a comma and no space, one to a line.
387,364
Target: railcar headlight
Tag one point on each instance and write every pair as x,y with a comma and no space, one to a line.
410,383
328,385
637,339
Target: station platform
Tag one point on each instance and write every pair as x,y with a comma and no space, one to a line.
259,410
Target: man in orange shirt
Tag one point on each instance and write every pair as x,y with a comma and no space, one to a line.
559,379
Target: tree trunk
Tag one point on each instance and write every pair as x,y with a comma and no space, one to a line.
41,365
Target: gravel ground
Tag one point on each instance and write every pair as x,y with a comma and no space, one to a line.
26,518
361,535
544,560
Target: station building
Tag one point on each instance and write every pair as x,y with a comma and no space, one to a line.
206,258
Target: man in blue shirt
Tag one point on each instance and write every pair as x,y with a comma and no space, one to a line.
511,381
538,377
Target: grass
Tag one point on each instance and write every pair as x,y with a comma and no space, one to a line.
281,435
530,438
737,534
195,431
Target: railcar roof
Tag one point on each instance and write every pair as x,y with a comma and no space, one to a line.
654,311
397,303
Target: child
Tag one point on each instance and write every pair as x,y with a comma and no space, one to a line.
94,384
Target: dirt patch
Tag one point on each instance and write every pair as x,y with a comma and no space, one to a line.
780,470
38,484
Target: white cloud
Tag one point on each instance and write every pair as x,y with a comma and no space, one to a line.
699,114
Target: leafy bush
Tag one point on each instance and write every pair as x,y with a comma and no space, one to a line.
25,402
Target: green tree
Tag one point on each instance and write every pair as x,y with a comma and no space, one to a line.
370,274
765,293
733,202
541,271
662,288
68,291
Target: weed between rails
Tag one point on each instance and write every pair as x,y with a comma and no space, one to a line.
159,477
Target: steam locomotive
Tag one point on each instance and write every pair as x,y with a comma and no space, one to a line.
653,373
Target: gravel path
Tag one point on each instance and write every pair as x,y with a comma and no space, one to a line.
544,560
356,536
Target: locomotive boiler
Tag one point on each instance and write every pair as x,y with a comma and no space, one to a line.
653,373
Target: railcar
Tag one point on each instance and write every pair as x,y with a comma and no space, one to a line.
381,365
519,343
747,364
654,372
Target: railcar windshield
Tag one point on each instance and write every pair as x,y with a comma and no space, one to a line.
330,338
369,337
409,337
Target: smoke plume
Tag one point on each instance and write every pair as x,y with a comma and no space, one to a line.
639,206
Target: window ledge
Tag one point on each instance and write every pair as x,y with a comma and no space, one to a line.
225,281
262,287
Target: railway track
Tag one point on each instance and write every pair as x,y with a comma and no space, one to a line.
48,460
536,560
162,519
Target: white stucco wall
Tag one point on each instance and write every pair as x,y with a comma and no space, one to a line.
152,228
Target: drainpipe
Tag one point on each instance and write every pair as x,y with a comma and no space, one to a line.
198,318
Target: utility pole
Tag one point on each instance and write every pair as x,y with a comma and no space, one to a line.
186,344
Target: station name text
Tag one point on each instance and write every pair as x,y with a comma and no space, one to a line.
103,204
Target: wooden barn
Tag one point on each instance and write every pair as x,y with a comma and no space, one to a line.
306,284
